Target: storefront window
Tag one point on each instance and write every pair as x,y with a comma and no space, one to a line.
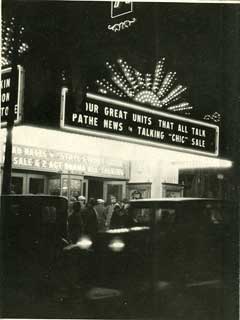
71,187
17,185
75,188
139,190
115,191
54,186
36,185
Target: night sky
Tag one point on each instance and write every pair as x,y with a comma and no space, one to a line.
199,42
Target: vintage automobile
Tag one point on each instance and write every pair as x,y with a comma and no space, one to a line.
166,243
180,240
33,229
189,238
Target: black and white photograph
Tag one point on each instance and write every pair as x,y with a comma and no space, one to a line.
120,160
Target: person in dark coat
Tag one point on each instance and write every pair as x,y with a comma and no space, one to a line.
75,223
109,210
86,212
119,218
90,219
95,219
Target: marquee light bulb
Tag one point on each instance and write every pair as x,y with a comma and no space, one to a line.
153,89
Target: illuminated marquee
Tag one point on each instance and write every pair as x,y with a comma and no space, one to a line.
5,95
110,118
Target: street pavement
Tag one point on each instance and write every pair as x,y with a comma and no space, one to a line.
166,302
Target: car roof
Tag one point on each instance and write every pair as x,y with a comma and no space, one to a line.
182,200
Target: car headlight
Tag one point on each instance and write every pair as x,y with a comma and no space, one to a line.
84,243
120,230
116,245
139,228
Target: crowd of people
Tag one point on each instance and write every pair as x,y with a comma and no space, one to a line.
96,215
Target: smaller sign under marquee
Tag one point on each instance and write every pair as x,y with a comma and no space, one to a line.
115,119
5,95
49,160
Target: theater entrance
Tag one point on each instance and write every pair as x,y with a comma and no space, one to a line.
95,188
100,188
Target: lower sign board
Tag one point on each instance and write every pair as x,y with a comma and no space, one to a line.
110,118
6,83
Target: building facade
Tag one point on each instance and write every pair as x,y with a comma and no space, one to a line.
60,147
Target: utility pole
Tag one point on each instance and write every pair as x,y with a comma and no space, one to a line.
13,52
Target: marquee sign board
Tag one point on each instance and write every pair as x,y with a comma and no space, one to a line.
5,95
115,119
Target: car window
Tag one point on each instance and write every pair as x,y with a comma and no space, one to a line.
165,216
49,214
141,216
215,214
185,214
200,215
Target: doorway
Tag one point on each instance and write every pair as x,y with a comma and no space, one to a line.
95,188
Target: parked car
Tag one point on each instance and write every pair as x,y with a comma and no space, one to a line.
174,239
33,230
189,237
169,250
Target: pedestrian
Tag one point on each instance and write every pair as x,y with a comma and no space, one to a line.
75,223
124,203
95,218
82,201
86,211
101,215
119,218
109,210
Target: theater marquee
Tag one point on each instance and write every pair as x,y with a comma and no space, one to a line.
110,118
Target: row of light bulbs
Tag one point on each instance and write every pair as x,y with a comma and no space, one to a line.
152,88
129,73
8,41
148,96
180,107
120,81
174,94
109,87
166,84
158,76
140,79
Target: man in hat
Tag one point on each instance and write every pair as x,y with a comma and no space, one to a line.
82,201
100,212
